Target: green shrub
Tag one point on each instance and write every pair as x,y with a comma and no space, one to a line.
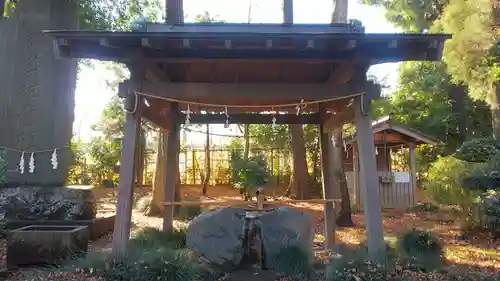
152,238
152,255
478,150
144,204
293,261
425,207
445,180
250,174
353,264
187,213
3,167
422,247
492,214
162,264
37,207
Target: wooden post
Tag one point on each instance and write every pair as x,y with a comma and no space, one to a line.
368,176
413,173
355,171
337,153
328,192
288,11
175,11
132,130
172,167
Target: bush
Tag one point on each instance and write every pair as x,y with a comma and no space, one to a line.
445,180
492,214
249,174
36,208
150,237
145,205
3,167
425,207
423,248
152,255
478,150
187,213
352,264
293,261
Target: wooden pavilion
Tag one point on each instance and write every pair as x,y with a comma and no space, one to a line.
230,73
397,189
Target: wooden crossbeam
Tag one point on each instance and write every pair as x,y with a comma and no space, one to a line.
236,93
249,118
242,202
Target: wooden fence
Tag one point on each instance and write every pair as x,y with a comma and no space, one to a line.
192,166
395,188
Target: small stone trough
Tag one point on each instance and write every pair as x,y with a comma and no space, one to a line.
45,244
97,227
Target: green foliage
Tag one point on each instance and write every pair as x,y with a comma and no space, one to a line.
207,18
248,174
150,237
411,15
3,227
3,167
492,214
424,248
187,213
152,255
293,261
425,207
466,53
77,173
478,150
445,180
36,208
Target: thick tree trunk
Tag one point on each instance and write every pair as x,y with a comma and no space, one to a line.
339,178
37,90
495,108
495,84
208,168
339,15
457,95
301,181
159,176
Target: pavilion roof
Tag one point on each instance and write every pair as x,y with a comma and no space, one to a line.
385,128
307,43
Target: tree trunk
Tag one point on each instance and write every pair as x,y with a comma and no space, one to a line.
246,154
37,90
495,108
208,169
495,84
159,177
339,178
339,15
457,95
301,180
246,136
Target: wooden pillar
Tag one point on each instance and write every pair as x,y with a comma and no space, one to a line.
355,171
337,153
368,176
327,181
413,174
172,167
132,130
288,11
175,11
